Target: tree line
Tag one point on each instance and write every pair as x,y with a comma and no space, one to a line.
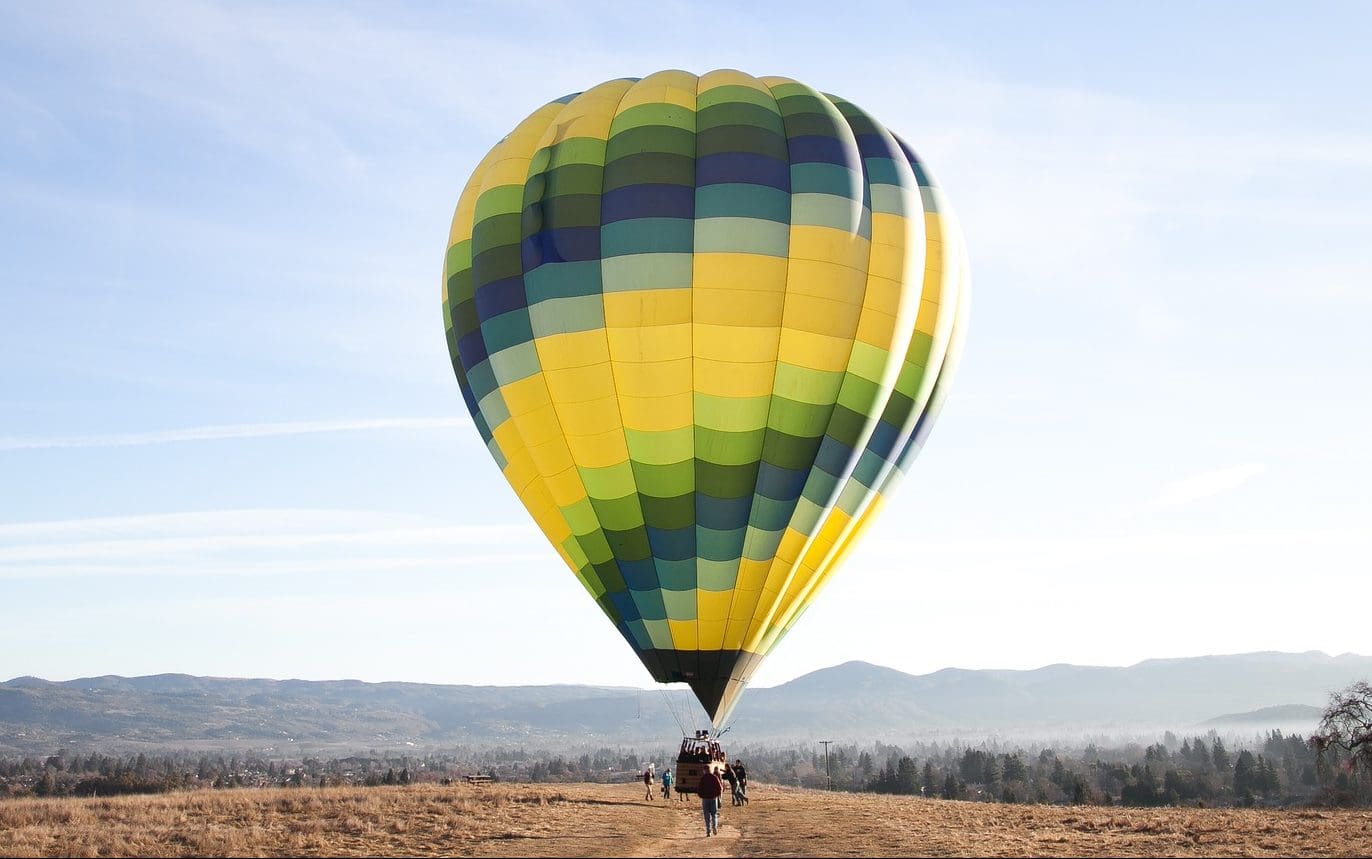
1334,766
1200,770
67,773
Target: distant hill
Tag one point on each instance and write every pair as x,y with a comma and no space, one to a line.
856,700
1285,714
1178,693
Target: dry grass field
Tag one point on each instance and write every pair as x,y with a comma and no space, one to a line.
614,820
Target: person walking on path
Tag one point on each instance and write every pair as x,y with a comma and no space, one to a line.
647,784
710,790
666,784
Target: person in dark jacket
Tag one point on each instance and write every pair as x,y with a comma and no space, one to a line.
710,789
741,794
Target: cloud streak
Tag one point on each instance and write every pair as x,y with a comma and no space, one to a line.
234,542
230,431
332,567
448,537
1207,484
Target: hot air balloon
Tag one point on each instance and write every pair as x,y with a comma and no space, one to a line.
703,324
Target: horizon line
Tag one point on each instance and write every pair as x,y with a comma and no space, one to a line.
660,686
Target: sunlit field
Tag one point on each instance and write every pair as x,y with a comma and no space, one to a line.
615,820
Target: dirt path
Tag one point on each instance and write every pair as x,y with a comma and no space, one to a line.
689,839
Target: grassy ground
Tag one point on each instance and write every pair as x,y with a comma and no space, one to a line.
615,820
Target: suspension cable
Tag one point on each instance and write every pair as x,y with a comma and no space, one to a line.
671,708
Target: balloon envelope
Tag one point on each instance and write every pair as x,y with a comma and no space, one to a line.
703,324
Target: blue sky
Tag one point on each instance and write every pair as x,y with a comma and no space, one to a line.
232,443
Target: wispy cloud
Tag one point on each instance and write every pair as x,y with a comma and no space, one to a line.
238,542
1091,548
161,547
334,567
231,431
1207,484
255,520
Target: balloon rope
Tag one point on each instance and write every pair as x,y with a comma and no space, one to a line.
671,708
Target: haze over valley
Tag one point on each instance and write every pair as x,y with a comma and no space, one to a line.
855,701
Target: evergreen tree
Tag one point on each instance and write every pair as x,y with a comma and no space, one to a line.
992,776
906,776
1081,791
1267,779
930,783
1014,769
1142,788
865,765
950,786
1201,753
972,767
1220,756
1245,773
1059,776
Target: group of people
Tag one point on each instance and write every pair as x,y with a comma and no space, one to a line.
667,780
710,789
737,777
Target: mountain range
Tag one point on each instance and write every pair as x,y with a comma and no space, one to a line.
853,701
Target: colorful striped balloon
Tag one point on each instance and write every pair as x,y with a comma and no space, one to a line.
703,324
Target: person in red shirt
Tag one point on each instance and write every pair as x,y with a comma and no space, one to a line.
710,789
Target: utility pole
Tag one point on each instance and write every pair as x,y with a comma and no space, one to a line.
828,782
